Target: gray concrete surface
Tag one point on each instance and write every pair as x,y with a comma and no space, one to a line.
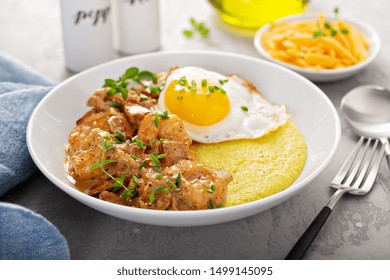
359,228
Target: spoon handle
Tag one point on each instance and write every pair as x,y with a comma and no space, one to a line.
388,160
387,151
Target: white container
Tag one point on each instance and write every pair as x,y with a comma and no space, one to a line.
87,32
136,25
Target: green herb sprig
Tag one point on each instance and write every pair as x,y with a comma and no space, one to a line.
214,89
131,74
159,189
333,32
319,32
198,27
158,117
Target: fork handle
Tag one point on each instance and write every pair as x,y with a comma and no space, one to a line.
300,248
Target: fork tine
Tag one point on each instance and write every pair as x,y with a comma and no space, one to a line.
341,175
357,164
370,179
367,161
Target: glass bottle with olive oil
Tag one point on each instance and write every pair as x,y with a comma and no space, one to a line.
251,14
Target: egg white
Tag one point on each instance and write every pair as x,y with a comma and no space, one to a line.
260,118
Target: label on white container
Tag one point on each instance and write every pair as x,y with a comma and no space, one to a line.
136,25
87,33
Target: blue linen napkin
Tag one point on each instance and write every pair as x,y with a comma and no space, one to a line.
21,89
23,234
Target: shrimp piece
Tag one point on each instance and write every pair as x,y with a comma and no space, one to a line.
89,152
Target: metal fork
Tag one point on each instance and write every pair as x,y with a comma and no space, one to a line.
356,176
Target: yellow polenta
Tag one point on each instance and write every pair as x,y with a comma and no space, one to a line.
260,167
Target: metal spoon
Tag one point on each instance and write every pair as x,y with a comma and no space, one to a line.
367,111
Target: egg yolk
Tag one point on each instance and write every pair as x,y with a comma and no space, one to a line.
198,103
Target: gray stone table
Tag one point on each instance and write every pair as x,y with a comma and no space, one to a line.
359,227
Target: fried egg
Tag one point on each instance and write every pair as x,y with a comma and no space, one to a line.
216,108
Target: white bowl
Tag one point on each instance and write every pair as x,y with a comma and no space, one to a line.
311,110
326,75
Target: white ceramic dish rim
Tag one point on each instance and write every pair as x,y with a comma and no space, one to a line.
374,48
187,218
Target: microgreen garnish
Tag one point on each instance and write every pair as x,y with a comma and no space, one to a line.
155,90
211,204
188,33
158,117
120,135
142,165
151,197
220,205
183,81
144,99
319,32
244,108
119,182
108,144
204,83
135,180
191,89
131,74
114,104
159,176
139,142
154,141
156,190
146,75
332,32
197,28
200,27
178,180
207,190
116,138
156,169
155,160
211,190
127,193
213,89
133,157
223,81
336,11
172,184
